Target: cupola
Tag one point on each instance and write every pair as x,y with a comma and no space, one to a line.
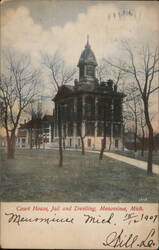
87,64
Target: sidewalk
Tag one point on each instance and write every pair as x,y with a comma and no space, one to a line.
131,161
134,162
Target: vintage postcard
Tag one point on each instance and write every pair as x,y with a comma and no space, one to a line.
79,124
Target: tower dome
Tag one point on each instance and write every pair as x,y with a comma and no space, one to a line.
87,56
87,66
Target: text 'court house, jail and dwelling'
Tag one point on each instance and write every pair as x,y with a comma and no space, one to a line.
90,109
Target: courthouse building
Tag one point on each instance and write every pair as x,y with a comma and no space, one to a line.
88,106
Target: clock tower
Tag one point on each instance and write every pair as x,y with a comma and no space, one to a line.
87,66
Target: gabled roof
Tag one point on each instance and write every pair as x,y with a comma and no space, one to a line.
37,123
31,124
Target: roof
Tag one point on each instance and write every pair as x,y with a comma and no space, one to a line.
87,56
69,90
48,118
64,90
31,124
37,123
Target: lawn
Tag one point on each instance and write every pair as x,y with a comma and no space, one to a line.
139,156
35,176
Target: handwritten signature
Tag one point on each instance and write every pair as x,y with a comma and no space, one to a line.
123,240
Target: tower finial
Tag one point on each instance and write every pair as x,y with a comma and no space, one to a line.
87,44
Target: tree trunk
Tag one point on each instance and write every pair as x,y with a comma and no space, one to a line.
110,144
39,138
102,148
143,142
31,144
36,141
103,144
64,146
135,136
150,152
123,136
11,145
82,143
150,138
60,137
135,146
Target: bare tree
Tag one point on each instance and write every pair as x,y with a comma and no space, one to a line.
59,74
105,71
82,136
104,132
142,124
2,109
132,106
142,67
17,88
35,124
102,70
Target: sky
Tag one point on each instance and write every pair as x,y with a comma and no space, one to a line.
35,27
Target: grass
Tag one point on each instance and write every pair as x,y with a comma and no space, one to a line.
36,176
139,156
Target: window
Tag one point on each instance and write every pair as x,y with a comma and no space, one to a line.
108,129
116,144
104,109
89,142
64,130
56,130
79,142
70,142
117,110
70,129
100,129
79,108
117,130
79,132
46,130
23,140
89,107
90,128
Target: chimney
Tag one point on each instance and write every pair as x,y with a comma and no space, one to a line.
76,82
110,83
115,88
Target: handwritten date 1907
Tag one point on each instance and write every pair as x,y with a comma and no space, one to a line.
129,241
